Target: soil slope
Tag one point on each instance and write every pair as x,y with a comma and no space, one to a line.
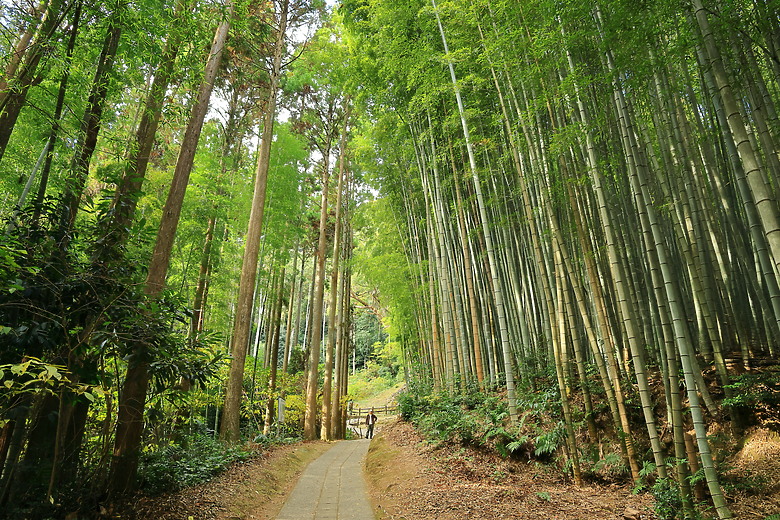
409,480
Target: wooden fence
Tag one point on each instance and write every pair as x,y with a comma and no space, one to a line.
379,410
356,420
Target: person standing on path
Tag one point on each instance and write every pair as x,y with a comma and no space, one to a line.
370,422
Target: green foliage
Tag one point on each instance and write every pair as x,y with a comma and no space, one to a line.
548,443
371,381
295,409
381,264
611,465
34,377
473,417
668,503
197,361
412,401
368,333
181,465
759,393
648,469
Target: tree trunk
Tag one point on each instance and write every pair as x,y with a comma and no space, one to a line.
229,429
50,142
13,94
23,44
90,125
132,400
315,340
290,311
273,344
326,431
498,292
764,199
129,189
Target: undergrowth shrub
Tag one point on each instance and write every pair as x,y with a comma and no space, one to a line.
667,498
472,417
757,394
481,419
181,465
412,402
611,466
548,442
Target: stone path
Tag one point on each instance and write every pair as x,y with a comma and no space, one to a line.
332,487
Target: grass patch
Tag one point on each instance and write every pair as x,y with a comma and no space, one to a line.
367,386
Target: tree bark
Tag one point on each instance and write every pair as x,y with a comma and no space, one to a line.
229,428
326,431
124,463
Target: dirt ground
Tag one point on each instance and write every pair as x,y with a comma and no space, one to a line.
254,489
409,480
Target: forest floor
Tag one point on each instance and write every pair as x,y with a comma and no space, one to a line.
252,489
413,480
410,479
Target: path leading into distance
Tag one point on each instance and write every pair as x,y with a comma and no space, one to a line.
332,487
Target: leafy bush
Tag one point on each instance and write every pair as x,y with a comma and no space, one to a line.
667,498
412,402
758,393
611,466
178,466
548,443
447,422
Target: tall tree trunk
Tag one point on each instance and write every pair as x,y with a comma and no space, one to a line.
559,346
469,275
129,188
198,302
13,95
315,340
498,292
90,125
273,344
132,400
679,320
36,15
229,428
297,322
290,311
765,200
46,154
326,431
337,414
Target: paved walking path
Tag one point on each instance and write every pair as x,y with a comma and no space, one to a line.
332,487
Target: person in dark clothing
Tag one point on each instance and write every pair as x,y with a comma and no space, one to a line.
370,422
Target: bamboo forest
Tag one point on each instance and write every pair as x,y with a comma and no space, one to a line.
540,239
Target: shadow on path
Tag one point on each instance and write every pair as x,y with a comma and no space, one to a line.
332,487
